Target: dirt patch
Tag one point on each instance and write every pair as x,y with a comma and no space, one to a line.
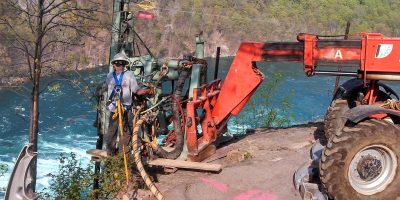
257,166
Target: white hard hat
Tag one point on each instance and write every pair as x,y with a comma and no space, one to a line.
120,57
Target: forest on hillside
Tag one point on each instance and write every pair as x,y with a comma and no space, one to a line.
224,23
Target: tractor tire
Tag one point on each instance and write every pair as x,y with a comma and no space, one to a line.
362,162
333,121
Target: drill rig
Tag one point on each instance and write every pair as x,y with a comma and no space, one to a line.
167,76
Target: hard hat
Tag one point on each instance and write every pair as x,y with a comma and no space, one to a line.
120,57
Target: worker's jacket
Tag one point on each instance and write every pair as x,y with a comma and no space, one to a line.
128,86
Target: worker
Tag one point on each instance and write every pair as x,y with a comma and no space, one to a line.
122,84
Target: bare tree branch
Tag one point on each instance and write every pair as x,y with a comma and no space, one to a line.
48,8
20,39
16,7
49,5
67,42
58,14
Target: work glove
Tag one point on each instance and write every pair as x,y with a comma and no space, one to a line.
152,90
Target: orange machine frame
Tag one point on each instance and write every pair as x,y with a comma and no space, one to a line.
376,56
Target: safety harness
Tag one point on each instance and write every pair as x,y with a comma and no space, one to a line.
117,90
119,113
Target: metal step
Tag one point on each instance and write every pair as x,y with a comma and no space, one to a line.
306,178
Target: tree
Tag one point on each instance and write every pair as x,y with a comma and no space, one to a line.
39,31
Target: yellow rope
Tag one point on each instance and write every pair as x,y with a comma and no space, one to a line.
138,161
120,112
154,143
147,5
391,104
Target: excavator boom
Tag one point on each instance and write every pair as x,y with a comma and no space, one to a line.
374,55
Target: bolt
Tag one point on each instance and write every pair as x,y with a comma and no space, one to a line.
189,122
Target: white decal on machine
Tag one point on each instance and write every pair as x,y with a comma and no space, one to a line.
338,54
383,50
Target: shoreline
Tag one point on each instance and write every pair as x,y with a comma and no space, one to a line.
16,81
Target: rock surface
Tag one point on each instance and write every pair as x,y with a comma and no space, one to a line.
258,166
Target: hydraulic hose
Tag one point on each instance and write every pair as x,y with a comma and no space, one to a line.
138,160
176,119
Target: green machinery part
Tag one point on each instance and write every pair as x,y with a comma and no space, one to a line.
154,72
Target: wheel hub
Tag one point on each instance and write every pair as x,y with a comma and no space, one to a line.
372,169
369,167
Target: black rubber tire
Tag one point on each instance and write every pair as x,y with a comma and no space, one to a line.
333,121
342,148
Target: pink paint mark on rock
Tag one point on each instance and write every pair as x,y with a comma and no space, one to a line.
255,194
219,186
247,195
267,196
